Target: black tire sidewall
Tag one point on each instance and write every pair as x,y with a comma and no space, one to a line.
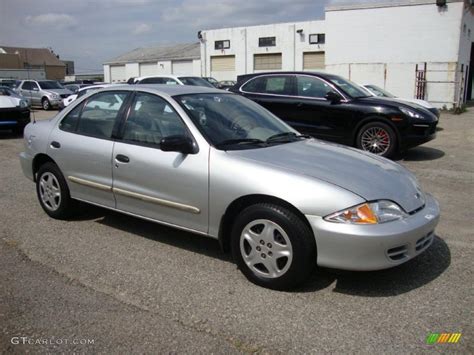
393,137
66,204
302,242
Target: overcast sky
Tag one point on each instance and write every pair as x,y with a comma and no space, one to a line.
92,31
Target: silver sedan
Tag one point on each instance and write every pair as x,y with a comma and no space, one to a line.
219,165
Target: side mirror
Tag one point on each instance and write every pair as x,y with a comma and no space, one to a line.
333,97
178,143
35,88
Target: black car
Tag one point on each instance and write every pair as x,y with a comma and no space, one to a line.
14,111
332,108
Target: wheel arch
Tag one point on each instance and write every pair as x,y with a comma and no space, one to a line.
39,160
241,203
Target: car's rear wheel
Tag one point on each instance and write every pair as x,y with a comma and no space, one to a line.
53,192
273,247
377,138
45,104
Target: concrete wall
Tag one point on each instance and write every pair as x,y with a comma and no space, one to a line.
244,44
23,74
382,45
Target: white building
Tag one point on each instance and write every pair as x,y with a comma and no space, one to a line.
381,44
178,59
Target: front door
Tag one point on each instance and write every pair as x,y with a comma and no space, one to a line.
82,147
169,187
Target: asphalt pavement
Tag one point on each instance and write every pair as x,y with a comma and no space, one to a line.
110,283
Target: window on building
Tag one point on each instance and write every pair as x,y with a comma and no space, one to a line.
267,42
317,38
222,44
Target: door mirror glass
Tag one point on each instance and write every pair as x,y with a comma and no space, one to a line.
178,143
35,88
333,96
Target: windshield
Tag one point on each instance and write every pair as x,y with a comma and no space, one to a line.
196,81
230,121
350,88
49,84
379,91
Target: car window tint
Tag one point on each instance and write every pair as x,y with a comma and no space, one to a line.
26,85
99,114
152,81
253,85
278,85
69,123
151,119
312,87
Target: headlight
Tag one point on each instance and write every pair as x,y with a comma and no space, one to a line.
54,96
411,113
368,213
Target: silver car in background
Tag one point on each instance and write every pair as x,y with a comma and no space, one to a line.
216,164
45,93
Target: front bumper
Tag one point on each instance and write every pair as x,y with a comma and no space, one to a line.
26,162
11,118
378,246
417,134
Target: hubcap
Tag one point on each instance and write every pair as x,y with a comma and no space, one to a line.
375,140
50,192
266,248
45,104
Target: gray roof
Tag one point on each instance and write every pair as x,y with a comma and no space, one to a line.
158,53
34,56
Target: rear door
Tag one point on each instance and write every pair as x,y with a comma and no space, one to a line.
82,146
274,92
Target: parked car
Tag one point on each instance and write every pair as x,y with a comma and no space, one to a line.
14,111
213,81
226,84
81,91
46,93
11,83
173,80
332,108
74,88
219,165
377,91
7,91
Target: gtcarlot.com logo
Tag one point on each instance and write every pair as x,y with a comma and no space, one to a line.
50,341
440,338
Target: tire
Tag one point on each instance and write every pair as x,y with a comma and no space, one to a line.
53,192
377,138
45,104
255,252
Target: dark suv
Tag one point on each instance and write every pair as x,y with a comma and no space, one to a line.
330,107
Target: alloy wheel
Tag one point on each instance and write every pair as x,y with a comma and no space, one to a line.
375,140
50,191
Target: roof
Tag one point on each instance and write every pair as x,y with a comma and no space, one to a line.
170,90
162,52
34,56
373,4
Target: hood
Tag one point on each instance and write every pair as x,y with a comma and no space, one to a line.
59,91
396,102
9,101
365,174
423,103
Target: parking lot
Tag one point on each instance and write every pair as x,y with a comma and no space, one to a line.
127,285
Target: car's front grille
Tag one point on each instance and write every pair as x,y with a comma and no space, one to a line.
64,95
398,253
424,242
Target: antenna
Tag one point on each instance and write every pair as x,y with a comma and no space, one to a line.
28,76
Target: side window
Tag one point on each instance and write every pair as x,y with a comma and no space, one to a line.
254,85
69,123
280,85
99,114
152,81
34,85
312,87
26,85
151,118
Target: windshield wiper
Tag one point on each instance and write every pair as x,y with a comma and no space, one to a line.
286,137
239,141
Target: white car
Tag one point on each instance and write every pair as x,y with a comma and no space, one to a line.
172,80
82,91
377,91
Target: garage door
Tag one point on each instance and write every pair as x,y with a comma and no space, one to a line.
270,61
117,73
148,69
223,63
182,67
313,60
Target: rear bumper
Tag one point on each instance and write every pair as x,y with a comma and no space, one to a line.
14,118
375,247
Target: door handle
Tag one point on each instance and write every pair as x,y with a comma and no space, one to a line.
122,158
55,144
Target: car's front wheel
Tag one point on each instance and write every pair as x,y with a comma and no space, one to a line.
45,104
273,247
377,138
53,192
